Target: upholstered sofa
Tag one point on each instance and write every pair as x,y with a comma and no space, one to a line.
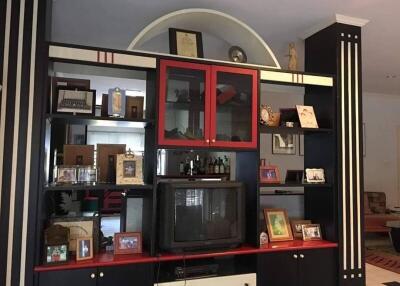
376,212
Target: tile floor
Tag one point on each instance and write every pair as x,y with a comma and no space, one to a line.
377,276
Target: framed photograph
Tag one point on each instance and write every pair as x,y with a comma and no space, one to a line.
116,102
106,161
284,144
315,176
80,227
75,101
69,83
307,116
132,213
129,169
269,174
87,174
78,154
311,232
278,225
294,176
185,43
134,107
84,248
297,227
66,175
127,243
56,254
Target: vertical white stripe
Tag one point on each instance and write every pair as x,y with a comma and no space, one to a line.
358,178
15,142
344,191
28,144
4,91
350,108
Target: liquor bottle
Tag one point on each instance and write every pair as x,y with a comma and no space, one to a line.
216,167
181,168
221,166
227,165
196,166
210,166
186,168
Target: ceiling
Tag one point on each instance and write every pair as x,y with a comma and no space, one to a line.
114,24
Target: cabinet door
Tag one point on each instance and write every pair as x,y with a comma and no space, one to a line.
317,267
234,106
126,275
184,104
278,269
85,277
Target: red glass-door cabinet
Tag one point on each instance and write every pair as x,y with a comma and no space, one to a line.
205,106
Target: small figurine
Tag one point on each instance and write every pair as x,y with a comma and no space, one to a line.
263,238
292,57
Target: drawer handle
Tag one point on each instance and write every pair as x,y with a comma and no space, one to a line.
301,256
213,141
101,274
208,141
92,275
295,256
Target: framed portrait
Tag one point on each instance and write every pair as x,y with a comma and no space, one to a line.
185,43
66,175
84,248
129,169
278,225
56,254
284,144
116,102
297,227
315,176
307,116
75,101
127,243
78,154
269,174
311,232
87,174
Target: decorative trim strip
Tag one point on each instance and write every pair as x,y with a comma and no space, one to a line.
296,78
344,190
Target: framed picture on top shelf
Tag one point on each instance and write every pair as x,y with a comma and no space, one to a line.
307,116
269,174
278,225
74,101
315,176
284,144
185,43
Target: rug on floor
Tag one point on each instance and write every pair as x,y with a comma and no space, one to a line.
383,260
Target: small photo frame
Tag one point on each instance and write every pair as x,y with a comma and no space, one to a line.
278,225
311,232
75,101
307,116
134,107
87,174
269,174
116,102
129,169
66,175
284,144
315,176
56,254
185,43
127,243
84,248
297,227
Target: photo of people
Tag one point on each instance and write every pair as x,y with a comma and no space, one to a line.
311,232
128,242
84,248
57,253
129,169
315,176
66,175
307,116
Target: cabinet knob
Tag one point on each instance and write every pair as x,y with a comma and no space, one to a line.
92,275
208,141
213,141
101,274
295,256
301,256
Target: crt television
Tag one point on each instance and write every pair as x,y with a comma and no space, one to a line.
201,215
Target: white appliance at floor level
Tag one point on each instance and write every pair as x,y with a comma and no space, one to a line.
233,280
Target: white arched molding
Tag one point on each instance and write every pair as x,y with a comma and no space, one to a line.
218,24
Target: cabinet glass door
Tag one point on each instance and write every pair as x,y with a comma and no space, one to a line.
234,102
184,104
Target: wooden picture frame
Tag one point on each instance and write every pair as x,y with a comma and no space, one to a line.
297,229
278,225
84,248
129,169
78,154
76,101
134,107
311,232
56,254
185,43
105,154
127,243
269,174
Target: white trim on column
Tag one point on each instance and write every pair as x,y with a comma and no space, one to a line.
344,190
28,145
14,162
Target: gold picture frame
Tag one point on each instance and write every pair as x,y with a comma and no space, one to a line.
129,169
278,225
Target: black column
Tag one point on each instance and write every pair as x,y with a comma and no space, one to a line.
337,50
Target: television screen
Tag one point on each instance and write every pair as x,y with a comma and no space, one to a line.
205,214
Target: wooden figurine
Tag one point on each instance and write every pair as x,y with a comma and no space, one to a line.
292,57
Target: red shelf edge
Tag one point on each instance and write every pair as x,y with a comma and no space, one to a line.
108,259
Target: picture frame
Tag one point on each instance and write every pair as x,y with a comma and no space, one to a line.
185,43
134,107
307,116
107,161
297,229
63,82
127,243
70,100
294,176
315,176
129,169
311,232
269,174
278,225
66,175
116,102
74,154
56,254
80,227
284,144
87,174
84,248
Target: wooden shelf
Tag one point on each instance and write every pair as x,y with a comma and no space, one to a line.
286,185
96,187
292,130
109,259
58,118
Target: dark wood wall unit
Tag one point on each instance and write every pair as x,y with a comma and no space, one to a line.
337,50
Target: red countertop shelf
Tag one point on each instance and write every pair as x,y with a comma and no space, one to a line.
108,259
